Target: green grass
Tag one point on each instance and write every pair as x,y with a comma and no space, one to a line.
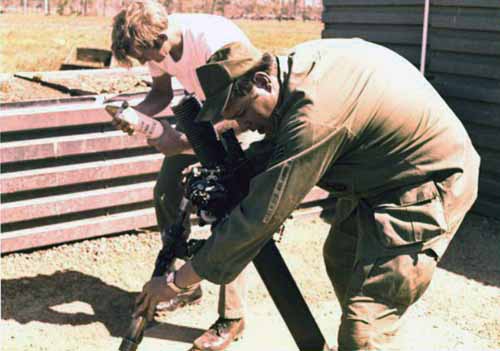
42,43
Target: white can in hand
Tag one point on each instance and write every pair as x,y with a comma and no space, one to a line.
139,122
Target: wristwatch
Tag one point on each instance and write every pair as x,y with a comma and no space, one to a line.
171,284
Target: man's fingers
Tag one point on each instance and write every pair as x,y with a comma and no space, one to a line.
141,305
151,311
139,311
139,298
122,125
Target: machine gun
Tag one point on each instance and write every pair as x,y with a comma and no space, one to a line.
214,189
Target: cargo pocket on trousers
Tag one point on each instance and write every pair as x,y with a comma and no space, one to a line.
409,215
399,280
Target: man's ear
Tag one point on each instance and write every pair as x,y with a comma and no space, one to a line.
162,37
262,80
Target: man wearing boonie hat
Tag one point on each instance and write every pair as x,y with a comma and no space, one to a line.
359,121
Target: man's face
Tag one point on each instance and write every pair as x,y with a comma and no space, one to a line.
254,110
249,112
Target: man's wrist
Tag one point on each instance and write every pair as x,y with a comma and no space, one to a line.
172,284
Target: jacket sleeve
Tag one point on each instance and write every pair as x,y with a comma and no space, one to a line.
298,162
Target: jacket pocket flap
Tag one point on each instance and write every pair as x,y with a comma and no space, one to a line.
407,196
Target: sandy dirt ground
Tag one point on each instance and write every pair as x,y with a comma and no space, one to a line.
79,296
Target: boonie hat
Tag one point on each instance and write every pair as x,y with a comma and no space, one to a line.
217,77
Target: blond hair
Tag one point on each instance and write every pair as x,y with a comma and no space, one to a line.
137,26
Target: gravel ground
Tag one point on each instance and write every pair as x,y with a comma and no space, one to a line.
79,296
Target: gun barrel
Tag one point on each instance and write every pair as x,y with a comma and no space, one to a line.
201,135
134,334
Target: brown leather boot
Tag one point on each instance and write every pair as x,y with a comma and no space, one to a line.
181,300
220,335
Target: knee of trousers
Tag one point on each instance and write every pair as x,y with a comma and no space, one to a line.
369,330
339,252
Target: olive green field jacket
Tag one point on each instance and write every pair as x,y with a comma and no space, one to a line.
361,122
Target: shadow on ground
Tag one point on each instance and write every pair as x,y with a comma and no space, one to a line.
475,251
33,299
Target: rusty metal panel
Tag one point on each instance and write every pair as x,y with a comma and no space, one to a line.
51,117
54,116
27,150
79,173
112,224
75,202
42,154
76,230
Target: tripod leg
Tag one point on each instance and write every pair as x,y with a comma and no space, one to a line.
288,299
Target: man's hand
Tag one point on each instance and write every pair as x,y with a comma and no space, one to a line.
171,142
119,123
122,125
153,292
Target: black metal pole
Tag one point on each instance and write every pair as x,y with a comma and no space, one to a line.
288,299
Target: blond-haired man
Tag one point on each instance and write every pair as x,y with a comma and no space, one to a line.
174,46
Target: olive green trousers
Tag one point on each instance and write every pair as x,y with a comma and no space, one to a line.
374,294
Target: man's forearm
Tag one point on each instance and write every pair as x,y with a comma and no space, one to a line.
154,103
171,142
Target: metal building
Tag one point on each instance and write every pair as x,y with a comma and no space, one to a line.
456,43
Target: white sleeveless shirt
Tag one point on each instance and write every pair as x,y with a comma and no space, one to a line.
202,35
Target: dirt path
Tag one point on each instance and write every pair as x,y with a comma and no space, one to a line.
78,297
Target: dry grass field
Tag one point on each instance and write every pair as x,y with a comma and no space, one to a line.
42,43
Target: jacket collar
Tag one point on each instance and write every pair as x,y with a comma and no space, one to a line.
284,68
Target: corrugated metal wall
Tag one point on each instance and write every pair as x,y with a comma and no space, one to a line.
396,24
463,63
464,66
